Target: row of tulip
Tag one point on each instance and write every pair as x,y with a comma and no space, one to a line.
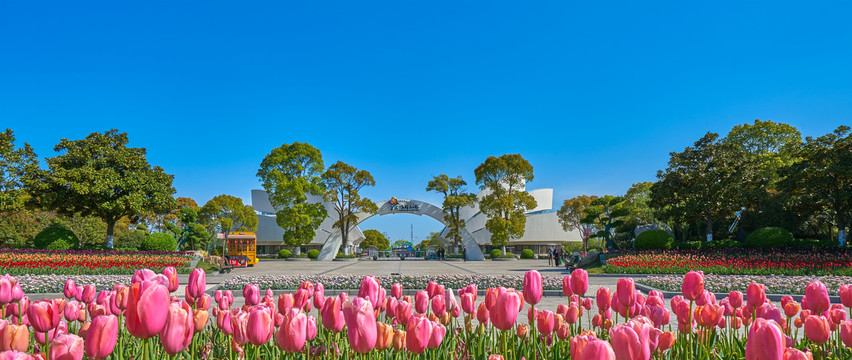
793,285
734,262
87,262
347,281
145,320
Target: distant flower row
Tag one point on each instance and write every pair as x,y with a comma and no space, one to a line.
734,262
87,262
794,285
281,282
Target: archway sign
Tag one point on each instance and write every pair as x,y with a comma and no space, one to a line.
402,206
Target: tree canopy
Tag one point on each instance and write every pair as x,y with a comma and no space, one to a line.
455,198
226,213
373,237
17,166
289,174
605,214
571,216
343,183
769,144
101,176
507,202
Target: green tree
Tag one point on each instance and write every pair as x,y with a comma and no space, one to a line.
89,229
769,144
455,198
373,237
101,176
637,201
226,213
344,183
605,213
189,234
434,240
507,202
17,166
820,183
708,181
571,216
289,174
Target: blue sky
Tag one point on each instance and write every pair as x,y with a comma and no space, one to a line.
594,94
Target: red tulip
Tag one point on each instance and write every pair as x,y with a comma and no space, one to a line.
292,335
361,324
396,290
147,308
532,289
14,337
418,334
765,341
66,347
693,285
817,297
666,340
101,336
505,311
817,329
545,322
579,282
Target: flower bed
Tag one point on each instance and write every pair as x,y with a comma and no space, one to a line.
37,262
55,283
794,285
407,281
734,262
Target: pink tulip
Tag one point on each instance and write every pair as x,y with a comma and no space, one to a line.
437,337
587,347
545,322
796,354
260,326
846,333
197,283
101,336
693,285
755,295
223,322
505,311
16,355
396,290
482,314
361,324
147,308
765,341
817,297
736,299
239,323
45,337
70,288
66,347
439,307
817,329
626,292
319,296
178,329
332,317
418,334
421,301
579,282
403,311
603,299
171,274
566,286
300,298
370,290
467,303
845,293
293,334
630,344
14,337
251,293
532,289
7,285
311,328
43,315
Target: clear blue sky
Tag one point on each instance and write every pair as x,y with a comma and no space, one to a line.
594,94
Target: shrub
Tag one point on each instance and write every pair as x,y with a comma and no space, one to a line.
339,253
769,237
526,254
654,239
59,245
56,233
723,244
158,242
132,240
284,253
508,254
313,253
691,245
495,253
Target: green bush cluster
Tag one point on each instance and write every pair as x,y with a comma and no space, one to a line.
770,237
654,239
284,253
131,240
65,238
723,244
495,253
690,245
158,242
313,254
526,254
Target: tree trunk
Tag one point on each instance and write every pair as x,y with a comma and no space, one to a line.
503,249
709,230
110,229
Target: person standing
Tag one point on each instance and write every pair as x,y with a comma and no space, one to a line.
549,256
557,255
464,254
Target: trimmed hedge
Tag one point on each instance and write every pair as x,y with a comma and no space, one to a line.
527,254
284,254
770,237
653,240
132,240
313,253
52,234
158,242
495,253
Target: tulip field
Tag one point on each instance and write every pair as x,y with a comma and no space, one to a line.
735,262
147,319
794,285
33,262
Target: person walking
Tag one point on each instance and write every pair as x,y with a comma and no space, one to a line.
464,254
549,256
